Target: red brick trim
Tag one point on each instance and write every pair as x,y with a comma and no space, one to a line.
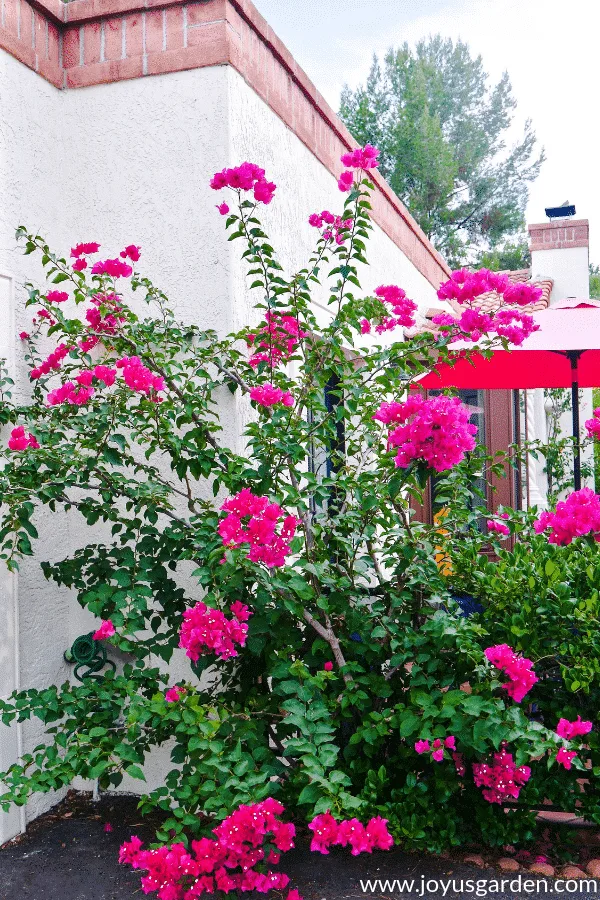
561,234
101,41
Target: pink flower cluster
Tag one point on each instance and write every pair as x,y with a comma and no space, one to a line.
207,630
104,316
131,252
79,251
20,440
519,670
253,520
336,229
570,730
174,694
277,340
247,177
57,296
52,362
106,630
327,832
116,268
402,307
593,425
437,747
364,158
269,395
70,393
565,757
574,517
502,780
499,527
511,324
435,431
465,286
139,378
225,864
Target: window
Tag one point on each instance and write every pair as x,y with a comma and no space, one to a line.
496,415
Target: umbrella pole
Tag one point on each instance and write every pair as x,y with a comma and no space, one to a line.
574,359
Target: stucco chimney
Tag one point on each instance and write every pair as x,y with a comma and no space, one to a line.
560,250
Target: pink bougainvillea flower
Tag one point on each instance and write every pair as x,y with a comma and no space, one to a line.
57,296
464,286
345,181
353,833
459,764
223,208
593,425
519,670
328,666
131,252
84,249
570,730
378,836
116,268
228,862
337,227
277,340
246,177
574,517
69,393
52,362
501,780
24,336
139,378
85,378
20,440
106,630
361,158
80,264
174,694
207,630
269,395
105,374
438,754
255,521
365,326
402,307
422,746
450,742
565,757
435,431
498,527
327,832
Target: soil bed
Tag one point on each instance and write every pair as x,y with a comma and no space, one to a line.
67,855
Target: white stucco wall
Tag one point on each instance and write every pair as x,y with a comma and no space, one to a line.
568,267
130,163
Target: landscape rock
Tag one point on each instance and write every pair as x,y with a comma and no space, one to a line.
475,860
508,865
542,869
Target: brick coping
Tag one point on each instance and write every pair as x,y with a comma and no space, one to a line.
88,42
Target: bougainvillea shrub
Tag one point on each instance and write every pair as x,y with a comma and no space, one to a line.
339,674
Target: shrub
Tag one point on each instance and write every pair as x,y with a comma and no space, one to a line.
331,666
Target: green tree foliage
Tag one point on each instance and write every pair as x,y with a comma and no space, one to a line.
442,131
594,282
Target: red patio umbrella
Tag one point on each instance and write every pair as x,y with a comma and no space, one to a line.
564,353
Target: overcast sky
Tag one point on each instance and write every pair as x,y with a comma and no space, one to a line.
550,48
